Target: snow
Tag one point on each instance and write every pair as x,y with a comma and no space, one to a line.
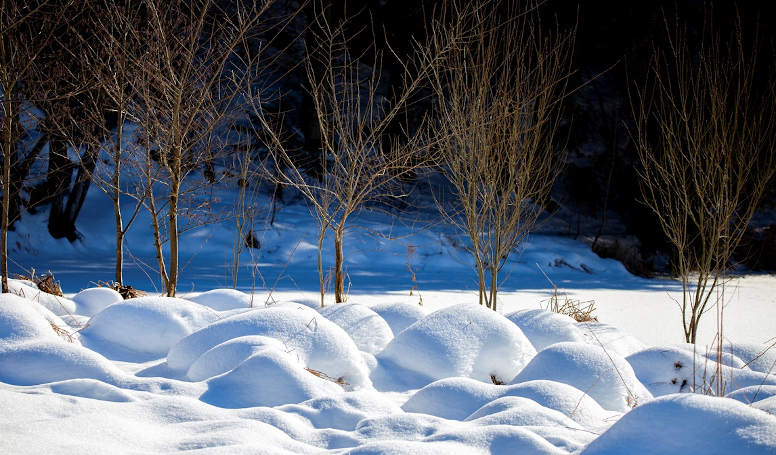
259,367
605,376
149,325
93,300
464,340
662,426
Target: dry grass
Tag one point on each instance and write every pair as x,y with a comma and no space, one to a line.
45,283
126,291
560,303
339,381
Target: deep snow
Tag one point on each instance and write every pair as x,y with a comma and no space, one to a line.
262,369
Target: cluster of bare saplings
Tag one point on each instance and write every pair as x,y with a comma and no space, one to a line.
188,84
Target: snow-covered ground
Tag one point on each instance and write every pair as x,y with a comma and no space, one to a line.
262,369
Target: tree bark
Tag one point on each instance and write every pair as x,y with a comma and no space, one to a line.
339,260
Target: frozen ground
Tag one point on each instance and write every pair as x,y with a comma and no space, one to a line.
235,371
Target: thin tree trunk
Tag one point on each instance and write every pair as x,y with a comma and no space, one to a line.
339,259
172,283
116,184
321,236
4,222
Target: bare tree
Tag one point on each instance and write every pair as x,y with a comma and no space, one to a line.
497,114
113,58
359,163
201,68
26,28
705,135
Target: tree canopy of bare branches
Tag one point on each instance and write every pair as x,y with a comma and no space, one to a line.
705,135
496,117
359,163
202,68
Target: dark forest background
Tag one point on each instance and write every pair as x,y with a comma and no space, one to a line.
597,195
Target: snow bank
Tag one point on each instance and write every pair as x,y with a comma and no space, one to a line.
149,325
611,338
521,412
343,411
667,370
93,300
452,398
23,320
543,327
318,343
758,357
57,305
466,340
459,398
267,378
41,361
689,423
368,330
399,315
605,376
227,355
224,299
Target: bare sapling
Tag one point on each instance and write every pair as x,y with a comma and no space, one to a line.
25,32
705,136
359,163
203,68
497,114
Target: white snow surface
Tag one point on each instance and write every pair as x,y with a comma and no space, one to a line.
225,368
283,378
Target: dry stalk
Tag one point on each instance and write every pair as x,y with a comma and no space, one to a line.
339,381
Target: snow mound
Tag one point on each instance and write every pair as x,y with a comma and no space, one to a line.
452,398
753,393
368,330
91,301
149,325
565,399
399,315
543,327
343,411
22,320
56,304
758,357
458,398
41,361
466,340
611,338
91,388
318,343
227,355
521,412
606,377
224,299
266,378
667,370
767,405
717,425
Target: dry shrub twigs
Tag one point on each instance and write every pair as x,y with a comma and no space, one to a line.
45,283
126,291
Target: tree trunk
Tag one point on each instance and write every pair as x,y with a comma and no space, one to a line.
116,184
339,259
7,139
175,186
321,236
